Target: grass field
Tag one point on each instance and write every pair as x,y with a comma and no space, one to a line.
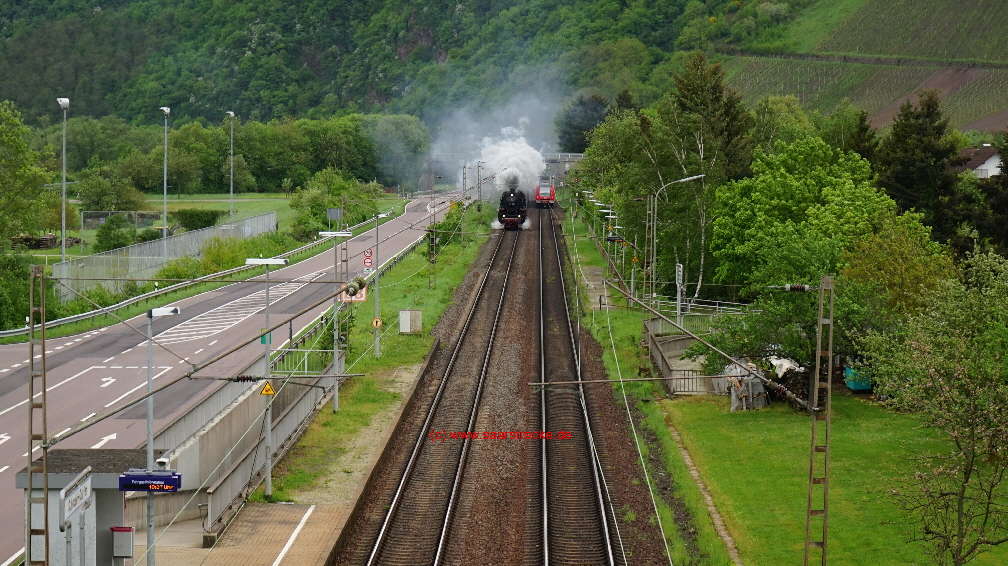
756,467
403,287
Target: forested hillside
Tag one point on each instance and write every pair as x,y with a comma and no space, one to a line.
318,58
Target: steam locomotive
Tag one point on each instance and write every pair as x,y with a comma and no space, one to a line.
513,208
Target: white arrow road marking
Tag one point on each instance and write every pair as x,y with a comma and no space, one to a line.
4,437
104,440
108,381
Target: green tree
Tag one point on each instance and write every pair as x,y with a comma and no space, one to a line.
917,163
700,91
21,178
97,192
848,129
780,118
116,232
327,189
947,364
792,220
579,118
399,143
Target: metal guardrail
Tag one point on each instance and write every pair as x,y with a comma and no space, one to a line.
158,292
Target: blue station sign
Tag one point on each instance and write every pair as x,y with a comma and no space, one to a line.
143,480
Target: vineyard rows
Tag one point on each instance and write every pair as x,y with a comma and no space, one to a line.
984,96
821,85
970,30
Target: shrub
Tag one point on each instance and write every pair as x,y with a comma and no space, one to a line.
115,232
196,218
148,235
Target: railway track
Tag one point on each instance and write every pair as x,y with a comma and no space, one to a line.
577,522
418,519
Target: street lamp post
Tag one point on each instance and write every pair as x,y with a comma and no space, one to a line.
653,223
164,230
336,298
268,424
64,104
231,115
161,311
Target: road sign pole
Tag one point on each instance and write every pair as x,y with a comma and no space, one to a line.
150,437
269,405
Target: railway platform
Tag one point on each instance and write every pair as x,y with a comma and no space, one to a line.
263,534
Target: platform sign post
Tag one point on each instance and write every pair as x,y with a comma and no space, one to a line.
76,496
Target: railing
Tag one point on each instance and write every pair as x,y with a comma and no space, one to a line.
302,362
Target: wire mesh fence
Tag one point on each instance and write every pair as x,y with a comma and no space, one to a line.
141,261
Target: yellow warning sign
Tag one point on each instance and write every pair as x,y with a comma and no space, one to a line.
267,389
376,323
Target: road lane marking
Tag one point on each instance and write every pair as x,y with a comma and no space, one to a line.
212,343
132,367
108,360
124,395
62,432
3,469
59,347
228,315
115,367
4,370
4,437
16,366
197,351
72,377
126,351
108,381
88,417
293,536
25,455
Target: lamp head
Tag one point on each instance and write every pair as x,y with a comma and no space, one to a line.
63,102
166,110
230,114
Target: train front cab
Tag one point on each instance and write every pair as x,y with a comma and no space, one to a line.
545,198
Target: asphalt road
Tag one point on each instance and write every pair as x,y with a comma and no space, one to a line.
99,370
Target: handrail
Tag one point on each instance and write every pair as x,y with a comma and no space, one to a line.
151,294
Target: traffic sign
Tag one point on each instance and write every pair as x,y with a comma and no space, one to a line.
376,323
267,389
368,262
368,252
265,338
678,274
146,480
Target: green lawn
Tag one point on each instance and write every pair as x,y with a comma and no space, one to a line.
756,467
405,286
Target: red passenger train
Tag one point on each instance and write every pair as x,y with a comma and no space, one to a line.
545,193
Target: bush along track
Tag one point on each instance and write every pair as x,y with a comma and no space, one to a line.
611,342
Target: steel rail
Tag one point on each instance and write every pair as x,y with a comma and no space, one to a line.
542,406
400,489
475,408
581,394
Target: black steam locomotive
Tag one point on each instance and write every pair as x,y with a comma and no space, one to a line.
513,209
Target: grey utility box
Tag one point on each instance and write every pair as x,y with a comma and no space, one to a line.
122,542
410,322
